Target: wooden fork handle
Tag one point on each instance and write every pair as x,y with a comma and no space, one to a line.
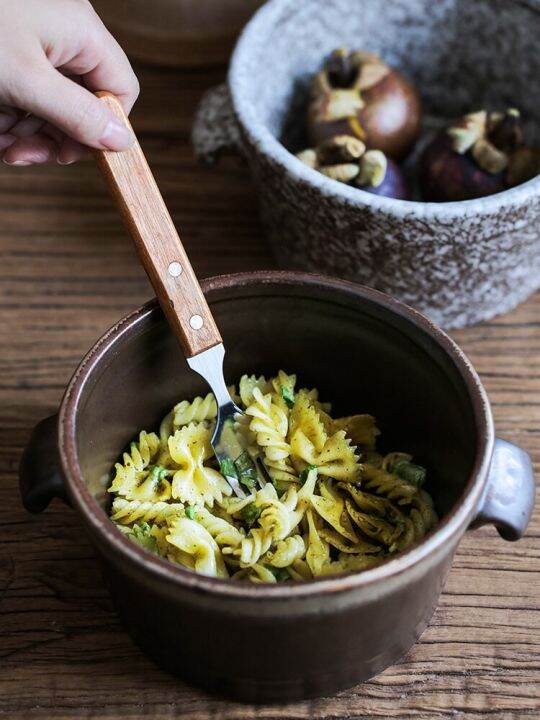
158,244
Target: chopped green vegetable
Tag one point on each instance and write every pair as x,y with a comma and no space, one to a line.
247,472
305,472
281,574
158,473
281,488
141,533
227,468
250,514
156,476
288,395
415,474
191,512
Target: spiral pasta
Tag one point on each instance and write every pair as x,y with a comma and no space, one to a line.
287,551
136,477
334,505
248,383
270,424
223,532
198,410
318,550
252,547
131,511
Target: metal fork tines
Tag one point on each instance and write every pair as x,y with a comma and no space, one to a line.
236,464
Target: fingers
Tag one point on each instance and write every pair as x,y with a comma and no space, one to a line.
44,147
99,61
62,149
6,141
51,110
35,149
29,125
8,118
105,67
47,145
70,151
17,123
73,109
29,139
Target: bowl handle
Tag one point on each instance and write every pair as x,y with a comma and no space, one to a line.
508,500
40,479
215,129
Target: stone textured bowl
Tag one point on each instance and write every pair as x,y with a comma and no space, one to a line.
457,262
365,352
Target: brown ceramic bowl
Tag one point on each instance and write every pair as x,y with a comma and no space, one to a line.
366,352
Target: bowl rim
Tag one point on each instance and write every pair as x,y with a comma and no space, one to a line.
459,518
259,137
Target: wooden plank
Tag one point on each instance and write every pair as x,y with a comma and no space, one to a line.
67,272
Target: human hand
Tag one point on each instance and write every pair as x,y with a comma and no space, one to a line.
53,55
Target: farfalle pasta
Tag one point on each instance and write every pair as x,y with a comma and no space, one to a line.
333,503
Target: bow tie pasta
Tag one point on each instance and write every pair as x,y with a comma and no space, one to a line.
334,504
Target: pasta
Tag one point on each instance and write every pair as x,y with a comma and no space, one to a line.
197,410
334,504
194,482
134,511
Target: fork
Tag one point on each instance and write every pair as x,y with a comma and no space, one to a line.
165,260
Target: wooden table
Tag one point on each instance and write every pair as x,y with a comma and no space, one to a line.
68,272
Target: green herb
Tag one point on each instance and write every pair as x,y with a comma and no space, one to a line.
156,476
191,512
415,474
288,395
227,468
281,574
247,472
158,473
281,488
141,533
305,472
250,514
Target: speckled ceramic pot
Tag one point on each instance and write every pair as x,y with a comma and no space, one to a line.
457,262
365,352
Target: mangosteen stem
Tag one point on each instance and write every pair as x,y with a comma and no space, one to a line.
507,133
373,166
341,72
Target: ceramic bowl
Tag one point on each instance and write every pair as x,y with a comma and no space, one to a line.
457,262
366,352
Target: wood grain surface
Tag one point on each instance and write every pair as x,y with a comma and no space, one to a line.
67,272
160,249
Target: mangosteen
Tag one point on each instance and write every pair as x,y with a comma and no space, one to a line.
345,158
478,155
358,94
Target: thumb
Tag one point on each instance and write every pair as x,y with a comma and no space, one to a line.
74,110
